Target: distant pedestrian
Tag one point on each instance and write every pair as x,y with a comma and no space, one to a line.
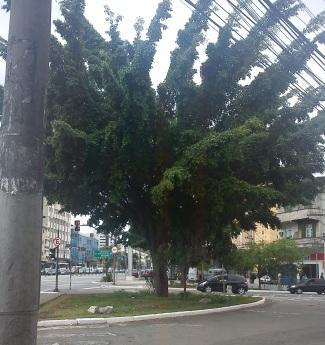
322,276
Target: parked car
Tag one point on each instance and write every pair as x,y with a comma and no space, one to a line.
64,268
135,273
311,285
148,273
100,270
50,271
238,284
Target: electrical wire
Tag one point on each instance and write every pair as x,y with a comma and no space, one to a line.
253,17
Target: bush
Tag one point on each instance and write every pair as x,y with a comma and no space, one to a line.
107,278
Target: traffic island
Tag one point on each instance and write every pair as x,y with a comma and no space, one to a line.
73,309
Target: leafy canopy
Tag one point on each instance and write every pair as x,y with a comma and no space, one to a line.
267,259
187,164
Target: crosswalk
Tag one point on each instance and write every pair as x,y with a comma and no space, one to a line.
298,298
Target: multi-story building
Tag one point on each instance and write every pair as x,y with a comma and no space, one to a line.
56,223
105,240
306,225
259,235
83,249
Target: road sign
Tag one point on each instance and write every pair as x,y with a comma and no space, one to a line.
57,241
103,253
114,250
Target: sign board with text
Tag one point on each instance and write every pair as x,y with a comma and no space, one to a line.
103,253
57,241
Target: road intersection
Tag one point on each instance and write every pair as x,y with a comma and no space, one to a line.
284,319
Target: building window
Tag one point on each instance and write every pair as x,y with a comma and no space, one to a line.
309,231
286,233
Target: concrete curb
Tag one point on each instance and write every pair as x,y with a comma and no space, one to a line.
268,291
123,319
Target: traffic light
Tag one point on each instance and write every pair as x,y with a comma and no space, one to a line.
52,253
77,225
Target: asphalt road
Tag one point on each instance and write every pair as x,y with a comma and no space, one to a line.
284,319
92,284
86,283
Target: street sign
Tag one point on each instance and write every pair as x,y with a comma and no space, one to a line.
114,250
103,253
57,241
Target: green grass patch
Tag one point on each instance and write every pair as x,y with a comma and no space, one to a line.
129,304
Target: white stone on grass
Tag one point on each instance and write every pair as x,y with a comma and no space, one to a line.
105,310
93,309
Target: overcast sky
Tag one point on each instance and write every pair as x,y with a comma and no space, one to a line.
130,10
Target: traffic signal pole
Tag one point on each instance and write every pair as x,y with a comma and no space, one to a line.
57,243
57,269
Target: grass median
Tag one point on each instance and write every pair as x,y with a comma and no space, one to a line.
130,304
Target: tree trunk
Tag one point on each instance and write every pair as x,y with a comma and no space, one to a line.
160,279
21,170
184,278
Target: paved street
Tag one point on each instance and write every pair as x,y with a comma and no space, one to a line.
284,319
87,283
92,284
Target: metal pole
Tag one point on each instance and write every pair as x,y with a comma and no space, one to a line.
57,266
223,281
70,269
114,263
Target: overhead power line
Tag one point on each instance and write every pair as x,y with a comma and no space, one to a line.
287,29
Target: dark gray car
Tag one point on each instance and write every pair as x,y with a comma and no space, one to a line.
218,283
311,285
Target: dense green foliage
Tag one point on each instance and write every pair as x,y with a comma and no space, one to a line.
185,166
267,259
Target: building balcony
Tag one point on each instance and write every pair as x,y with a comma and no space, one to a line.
300,214
315,243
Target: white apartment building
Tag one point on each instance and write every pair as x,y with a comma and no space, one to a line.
105,240
55,224
306,225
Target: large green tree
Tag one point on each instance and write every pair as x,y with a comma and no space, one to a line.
267,258
186,164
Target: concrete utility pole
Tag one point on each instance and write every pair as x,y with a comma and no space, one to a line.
21,170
